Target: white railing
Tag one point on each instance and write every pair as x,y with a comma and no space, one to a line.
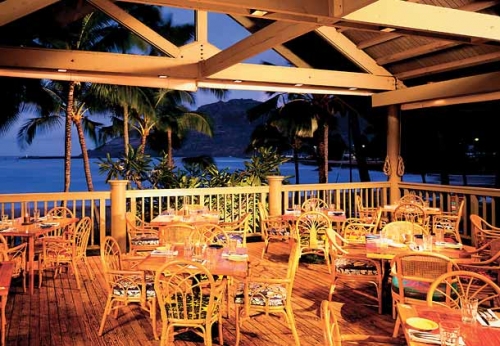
232,202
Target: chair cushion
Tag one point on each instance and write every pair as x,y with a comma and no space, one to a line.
134,291
416,289
262,294
354,267
278,232
145,241
175,307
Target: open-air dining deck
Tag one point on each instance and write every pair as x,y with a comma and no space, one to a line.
61,314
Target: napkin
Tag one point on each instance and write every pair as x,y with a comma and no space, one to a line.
493,321
49,224
164,253
9,229
235,256
428,338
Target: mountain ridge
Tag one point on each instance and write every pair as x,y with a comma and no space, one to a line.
231,134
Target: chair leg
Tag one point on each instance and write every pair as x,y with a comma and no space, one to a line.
264,250
237,310
107,311
396,328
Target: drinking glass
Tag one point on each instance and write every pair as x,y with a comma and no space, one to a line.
233,244
36,215
468,309
439,234
449,333
188,249
5,218
427,242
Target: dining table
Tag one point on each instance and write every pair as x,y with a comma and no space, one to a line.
337,217
475,334
30,232
6,269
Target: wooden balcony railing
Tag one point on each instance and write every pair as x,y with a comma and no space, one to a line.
107,208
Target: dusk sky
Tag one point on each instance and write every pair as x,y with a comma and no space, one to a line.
219,27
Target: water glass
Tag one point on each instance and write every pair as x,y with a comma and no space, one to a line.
188,250
449,333
232,245
439,234
468,309
5,218
36,215
427,242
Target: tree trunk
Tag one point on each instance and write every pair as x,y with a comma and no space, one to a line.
364,174
85,154
67,136
170,151
142,148
322,152
126,139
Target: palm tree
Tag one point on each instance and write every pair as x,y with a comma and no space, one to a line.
175,119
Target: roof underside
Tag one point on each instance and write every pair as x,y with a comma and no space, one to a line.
417,53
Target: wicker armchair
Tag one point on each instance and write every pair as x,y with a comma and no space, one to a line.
452,288
398,230
238,229
311,228
449,222
58,213
333,337
482,231
142,237
413,213
272,228
347,267
190,299
313,204
17,255
365,213
268,294
412,198
58,252
125,286
412,273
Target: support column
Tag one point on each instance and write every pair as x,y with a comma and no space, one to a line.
393,152
118,209
275,183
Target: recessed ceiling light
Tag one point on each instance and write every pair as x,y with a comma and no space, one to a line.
299,84
162,76
237,81
258,13
387,29
62,70
353,88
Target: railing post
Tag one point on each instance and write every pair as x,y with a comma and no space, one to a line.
275,183
393,152
118,209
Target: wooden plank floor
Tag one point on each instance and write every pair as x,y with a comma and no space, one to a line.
61,314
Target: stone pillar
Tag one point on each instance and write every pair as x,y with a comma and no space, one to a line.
275,183
393,151
118,209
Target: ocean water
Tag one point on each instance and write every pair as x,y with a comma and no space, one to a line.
30,175
21,175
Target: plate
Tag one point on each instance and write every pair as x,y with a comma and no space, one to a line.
421,323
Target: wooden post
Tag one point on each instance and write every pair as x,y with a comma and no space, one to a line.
275,183
393,151
118,209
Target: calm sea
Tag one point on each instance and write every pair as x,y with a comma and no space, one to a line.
46,175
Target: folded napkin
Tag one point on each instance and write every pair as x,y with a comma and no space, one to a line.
235,256
8,229
164,253
488,318
429,338
49,224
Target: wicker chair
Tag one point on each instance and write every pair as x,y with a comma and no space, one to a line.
365,213
238,229
272,228
449,222
397,230
352,268
58,252
125,286
142,237
485,263
268,294
17,255
311,228
412,198
333,337
482,231
190,299
452,288
58,213
411,212
412,273
313,204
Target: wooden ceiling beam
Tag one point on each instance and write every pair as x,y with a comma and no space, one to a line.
449,66
439,20
11,10
417,51
385,37
473,85
138,28
274,34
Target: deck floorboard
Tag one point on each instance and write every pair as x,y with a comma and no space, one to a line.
59,313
